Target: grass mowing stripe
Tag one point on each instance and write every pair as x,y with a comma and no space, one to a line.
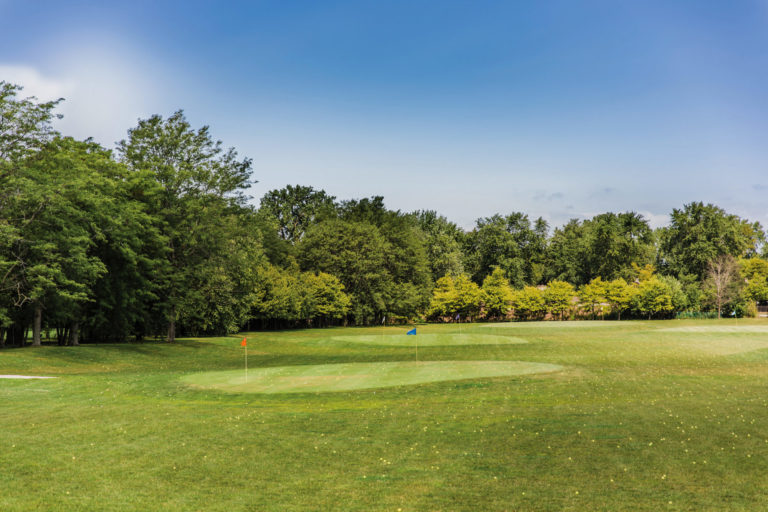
355,376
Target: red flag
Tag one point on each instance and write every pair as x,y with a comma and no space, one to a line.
243,343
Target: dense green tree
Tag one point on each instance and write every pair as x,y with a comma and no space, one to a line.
295,208
25,129
405,260
699,234
616,241
202,187
356,253
566,254
510,243
605,246
62,205
443,241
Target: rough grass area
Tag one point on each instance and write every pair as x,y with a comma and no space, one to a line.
429,340
351,376
639,418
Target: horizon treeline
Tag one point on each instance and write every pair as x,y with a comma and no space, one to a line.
156,239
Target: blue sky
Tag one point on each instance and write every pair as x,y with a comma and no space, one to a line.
561,109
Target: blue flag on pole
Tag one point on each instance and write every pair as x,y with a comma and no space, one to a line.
412,332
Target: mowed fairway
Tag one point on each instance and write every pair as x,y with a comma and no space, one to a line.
352,376
636,416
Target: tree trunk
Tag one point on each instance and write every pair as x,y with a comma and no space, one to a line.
2,338
75,333
37,325
172,326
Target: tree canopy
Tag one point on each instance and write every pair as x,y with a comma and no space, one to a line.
159,238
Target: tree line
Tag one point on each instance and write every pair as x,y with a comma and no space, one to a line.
157,238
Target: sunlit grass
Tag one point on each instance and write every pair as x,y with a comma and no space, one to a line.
640,418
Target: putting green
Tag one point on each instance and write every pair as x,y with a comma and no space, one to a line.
353,376
553,324
430,340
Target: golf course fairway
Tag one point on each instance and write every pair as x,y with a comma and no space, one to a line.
431,340
354,376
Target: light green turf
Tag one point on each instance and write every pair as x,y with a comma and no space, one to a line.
569,325
352,376
431,340
737,329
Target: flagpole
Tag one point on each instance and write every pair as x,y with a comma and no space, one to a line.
246,364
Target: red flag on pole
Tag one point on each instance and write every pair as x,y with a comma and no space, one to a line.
243,343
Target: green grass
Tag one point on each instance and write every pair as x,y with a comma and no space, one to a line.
641,417
312,378
429,340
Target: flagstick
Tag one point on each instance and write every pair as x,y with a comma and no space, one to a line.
246,363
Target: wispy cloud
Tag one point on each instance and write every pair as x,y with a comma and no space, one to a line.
104,93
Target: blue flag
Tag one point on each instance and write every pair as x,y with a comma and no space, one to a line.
412,332
733,313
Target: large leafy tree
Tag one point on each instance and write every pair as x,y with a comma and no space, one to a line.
442,240
25,129
605,246
201,188
509,242
701,233
64,197
295,208
616,241
356,253
378,255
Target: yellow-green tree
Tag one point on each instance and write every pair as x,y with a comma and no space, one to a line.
755,273
652,297
558,297
497,294
592,294
618,294
529,303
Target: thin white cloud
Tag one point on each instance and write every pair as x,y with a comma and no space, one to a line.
35,83
104,92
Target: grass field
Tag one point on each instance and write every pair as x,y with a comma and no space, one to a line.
636,416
